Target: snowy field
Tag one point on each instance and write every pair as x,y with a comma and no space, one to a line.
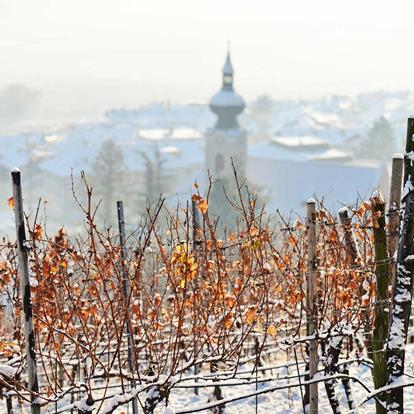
289,401
282,401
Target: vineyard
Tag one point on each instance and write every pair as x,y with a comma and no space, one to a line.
178,317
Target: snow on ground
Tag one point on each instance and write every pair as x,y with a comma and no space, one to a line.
277,402
289,400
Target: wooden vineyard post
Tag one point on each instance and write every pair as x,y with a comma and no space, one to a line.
22,249
196,235
402,297
354,256
350,241
256,350
9,404
381,313
312,304
394,212
126,288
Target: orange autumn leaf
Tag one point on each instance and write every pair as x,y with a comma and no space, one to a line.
292,239
202,206
38,232
271,330
230,301
250,315
135,309
10,202
228,320
299,225
365,205
278,288
254,231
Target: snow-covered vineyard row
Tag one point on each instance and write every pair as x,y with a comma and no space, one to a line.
181,317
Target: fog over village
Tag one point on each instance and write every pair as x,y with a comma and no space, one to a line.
332,136
206,206
130,77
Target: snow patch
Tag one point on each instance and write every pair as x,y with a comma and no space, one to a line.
33,282
410,156
408,186
7,371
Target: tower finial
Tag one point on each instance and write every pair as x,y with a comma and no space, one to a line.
228,67
227,104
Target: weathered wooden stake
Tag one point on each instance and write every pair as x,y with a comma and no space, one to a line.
312,304
350,241
9,404
126,290
256,350
196,236
381,313
403,292
394,213
196,224
22,249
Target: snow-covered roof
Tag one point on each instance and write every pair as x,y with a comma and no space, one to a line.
157,134
291,183
154,134
79,146
52,138
275,152
365,163
170,149
324,118
185,133
331,154
227,98
300,142
38,154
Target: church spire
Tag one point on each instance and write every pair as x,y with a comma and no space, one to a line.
227,104
228,72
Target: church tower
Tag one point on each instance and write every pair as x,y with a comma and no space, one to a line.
226,140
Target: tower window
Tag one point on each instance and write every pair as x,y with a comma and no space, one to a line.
219,163
227,79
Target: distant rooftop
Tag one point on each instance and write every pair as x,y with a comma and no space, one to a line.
301,142
290,183
158,134
170,149
332,154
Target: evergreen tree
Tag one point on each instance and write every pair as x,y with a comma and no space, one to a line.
108,169
380,142
156,180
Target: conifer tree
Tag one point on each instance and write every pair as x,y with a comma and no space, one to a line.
108,169
380,142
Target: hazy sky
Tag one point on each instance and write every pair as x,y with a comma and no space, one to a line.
89,55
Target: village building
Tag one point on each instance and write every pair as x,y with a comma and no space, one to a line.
184,142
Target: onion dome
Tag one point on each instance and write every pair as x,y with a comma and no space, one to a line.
226,103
